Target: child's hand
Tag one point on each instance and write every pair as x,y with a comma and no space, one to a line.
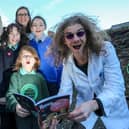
21,111
43,124
3,101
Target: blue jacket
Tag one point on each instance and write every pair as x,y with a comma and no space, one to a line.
47,68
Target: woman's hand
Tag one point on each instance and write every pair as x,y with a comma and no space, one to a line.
82,112
21,111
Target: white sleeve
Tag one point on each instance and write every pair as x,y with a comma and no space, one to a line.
113,88
66,86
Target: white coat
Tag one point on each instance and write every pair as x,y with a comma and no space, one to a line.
106,81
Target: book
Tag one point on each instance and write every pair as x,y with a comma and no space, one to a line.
54,106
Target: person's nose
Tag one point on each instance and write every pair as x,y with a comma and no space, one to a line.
75,38
14,36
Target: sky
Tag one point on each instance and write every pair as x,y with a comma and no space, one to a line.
105,12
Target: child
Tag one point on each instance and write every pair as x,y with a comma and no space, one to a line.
41,43
12,39
27,81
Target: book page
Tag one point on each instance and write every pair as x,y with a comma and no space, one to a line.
56,106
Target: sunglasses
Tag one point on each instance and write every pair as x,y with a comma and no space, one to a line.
79,34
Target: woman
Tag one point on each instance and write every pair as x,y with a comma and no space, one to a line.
91,64
23,18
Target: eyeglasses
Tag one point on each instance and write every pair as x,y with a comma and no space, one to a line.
36,25
22,14
79,34
27,56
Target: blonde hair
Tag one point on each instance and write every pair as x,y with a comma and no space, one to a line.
30,49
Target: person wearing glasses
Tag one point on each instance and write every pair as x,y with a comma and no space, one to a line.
23,18
92,66
26,80
41,43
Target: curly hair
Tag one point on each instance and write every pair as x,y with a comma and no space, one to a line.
6,31
94,41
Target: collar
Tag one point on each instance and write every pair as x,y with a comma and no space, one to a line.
43,37
23,71
13,47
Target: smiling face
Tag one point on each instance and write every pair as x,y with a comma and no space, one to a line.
75,38
27,60
38,27
14,36
23,17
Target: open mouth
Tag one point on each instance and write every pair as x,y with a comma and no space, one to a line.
77,46
28,62
38,31
14,41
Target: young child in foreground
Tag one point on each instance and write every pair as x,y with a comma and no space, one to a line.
27,81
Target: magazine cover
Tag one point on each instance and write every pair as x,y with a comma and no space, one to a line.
25,101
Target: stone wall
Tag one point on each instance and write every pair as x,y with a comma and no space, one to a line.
120,37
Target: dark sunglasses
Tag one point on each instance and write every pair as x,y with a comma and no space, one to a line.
78,34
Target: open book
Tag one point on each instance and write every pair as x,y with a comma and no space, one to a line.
54,106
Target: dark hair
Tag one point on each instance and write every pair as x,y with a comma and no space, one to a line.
6,31
27,29
39,17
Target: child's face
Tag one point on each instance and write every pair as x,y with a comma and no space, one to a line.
14,36
38,27
27,60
